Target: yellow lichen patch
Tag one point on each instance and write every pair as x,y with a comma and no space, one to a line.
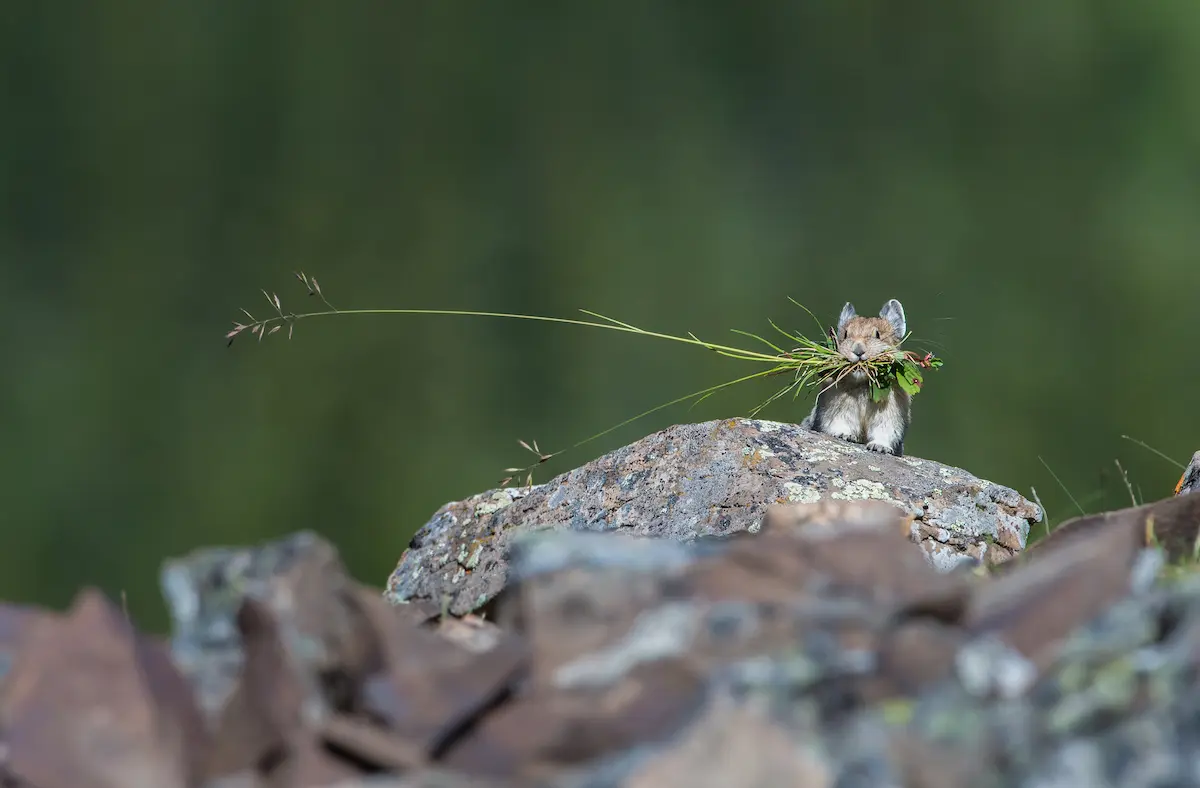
752,457
469,554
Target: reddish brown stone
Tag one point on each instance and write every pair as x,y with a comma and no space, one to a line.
733,746
263,720
1035,606
89,704
1172,523
429,686
541,733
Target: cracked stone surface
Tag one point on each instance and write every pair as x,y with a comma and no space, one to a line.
710,479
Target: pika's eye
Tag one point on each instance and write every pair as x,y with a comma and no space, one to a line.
843,333
877,333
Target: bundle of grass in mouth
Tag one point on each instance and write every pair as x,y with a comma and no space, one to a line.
811,364
819,365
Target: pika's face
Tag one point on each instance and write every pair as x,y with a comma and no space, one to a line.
860,338
864,337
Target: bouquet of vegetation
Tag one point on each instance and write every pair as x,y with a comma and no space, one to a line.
807,364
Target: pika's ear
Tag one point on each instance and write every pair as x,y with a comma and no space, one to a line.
844,318
894,314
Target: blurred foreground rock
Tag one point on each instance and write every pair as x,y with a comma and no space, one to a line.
710,479
823,650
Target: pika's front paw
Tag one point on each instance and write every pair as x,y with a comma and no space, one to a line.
882,448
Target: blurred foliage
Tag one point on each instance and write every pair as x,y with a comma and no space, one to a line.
1023,176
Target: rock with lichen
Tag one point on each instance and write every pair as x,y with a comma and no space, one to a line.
710,479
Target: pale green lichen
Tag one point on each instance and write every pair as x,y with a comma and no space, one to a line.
860,489
799,493
473,559
897,711
499,500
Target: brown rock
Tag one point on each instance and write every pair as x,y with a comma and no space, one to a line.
90,703
837,516
15,622
310,765
579,610
913,655
1172,523
430,685
863,547
1035,606
303,583
543,732
925,764
734,745
264,721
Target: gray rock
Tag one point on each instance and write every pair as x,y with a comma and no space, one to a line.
297,577
702,480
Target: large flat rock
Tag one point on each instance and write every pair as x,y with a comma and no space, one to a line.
709,479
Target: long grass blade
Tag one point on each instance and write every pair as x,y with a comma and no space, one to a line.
1063,486
811,363
768,343
703,392
1150,448
820,325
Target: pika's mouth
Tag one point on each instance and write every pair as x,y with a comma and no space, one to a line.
857,375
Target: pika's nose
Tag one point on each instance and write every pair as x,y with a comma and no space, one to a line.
859,350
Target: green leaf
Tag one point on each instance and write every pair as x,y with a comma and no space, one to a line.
877,394
910,378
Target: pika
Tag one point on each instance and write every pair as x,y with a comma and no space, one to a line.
845,410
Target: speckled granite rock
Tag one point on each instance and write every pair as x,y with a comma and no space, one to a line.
710,479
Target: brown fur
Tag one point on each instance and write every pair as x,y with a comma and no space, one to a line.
846,409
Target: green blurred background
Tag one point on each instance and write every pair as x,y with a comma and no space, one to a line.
1024,176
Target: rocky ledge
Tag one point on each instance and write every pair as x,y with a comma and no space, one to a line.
701,480
822,650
